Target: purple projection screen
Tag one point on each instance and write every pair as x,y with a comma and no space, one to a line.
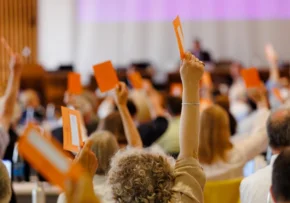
166,10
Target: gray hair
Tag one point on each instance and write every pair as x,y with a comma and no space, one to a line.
278,128
140,176
105,146
5,184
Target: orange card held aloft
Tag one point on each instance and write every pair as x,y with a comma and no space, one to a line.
74,84
72,137
47,157
106,76
135,79
176,89
179,35
251,77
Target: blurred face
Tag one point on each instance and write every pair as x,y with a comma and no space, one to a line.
235,70
196,45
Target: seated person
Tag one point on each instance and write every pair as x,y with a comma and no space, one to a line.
149,176
104,146
5,184
223,101
281,178
169,141
113,123
30,102
255,188
220,158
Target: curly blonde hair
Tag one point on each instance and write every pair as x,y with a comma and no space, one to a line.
140,176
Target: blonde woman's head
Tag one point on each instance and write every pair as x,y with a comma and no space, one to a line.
105,146
214,135
5,186
140,176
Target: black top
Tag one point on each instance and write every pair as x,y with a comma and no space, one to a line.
151,131
10,148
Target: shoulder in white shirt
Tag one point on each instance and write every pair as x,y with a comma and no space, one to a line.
255,188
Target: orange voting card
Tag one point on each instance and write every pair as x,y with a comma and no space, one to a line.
72,137
74,84
106,76
251,77
176,89
277,94
46,157
179,35
135,79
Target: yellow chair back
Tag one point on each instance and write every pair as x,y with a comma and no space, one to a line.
226,191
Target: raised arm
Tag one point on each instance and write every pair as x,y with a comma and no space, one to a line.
272,60
191,72
11,92
131,132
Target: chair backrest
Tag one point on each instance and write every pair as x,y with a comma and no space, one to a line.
226,191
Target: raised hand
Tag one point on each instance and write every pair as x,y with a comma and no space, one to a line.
87,159
121,94
271,54
191,70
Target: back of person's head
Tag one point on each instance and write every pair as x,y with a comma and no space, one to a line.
174,105
5,184
91,98
223,101
140,100
214,135
281,177
278,129
131,107
140,176
113,123
104,146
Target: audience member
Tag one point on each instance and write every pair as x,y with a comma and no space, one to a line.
113,123
104,146
7,111
281,178
169,141
223,101
220,158
32,109
255,188
5,184
238,93
148,176
198,52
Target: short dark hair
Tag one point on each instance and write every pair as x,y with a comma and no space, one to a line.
131,107
278,128
174,105
281,177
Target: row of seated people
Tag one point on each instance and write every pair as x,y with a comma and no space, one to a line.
174,130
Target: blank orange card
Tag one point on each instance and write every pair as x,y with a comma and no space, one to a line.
106,76
251,77
179,35
46,157
74,84
176,89
72,137
135,80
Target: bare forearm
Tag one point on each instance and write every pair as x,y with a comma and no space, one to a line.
189,122
9,99
274,72
132,134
